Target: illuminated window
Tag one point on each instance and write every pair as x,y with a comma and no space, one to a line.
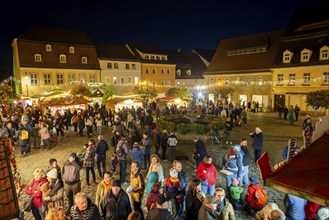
92,78
226,81
37,57
326,77
62,58
305,55
82,78
287,56
248,81
324,53
34,78
211,81
114,80
116,66
292,79
178,72
47,78
306,78
236,80
162,70
71,78
71,49
48,47
60,78
84,60
279,79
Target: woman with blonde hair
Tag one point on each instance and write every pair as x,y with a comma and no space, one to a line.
33,190
155,173
208,175
224,207
257,142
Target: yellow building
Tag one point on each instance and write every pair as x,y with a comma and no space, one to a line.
157,67
244,63
302,63
47,59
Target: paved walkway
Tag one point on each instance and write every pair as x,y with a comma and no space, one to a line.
276,134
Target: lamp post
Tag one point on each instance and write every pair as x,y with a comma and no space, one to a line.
27,85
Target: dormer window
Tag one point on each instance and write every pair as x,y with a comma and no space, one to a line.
188,72
305,55
287,56
147,57
178,72
48,47
71,49
84,60
324,53
37,57
152,57
62,58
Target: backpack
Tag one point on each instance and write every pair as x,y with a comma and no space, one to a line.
71,174
260,197
24,135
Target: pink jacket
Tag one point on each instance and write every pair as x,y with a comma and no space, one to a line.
44,132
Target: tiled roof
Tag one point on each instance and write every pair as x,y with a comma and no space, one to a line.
55,35
207,54
115,52
8,198
250,59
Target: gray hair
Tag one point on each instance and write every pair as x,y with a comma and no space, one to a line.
79,196
100,137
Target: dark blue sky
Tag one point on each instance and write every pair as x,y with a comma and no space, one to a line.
170,24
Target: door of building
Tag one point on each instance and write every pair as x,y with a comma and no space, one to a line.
279,100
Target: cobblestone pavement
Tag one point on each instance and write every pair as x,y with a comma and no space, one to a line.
276,134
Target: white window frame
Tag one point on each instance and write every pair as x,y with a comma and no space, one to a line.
37,57
47,78
247,81
109,66
59,78
287,56
305,55
306,78
84,60
116,66
62,58
48,48
127,66
189,72
292,79
133,66
71,77
71,49
92,77
82,78
34,79
325,78
178,72
279,78
324,53
260,80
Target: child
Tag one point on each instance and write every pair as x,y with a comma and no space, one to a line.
172,183
236,192
113,163
81,155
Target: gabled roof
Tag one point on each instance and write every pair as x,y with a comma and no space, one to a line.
149,49
256,54
207,54
55,35
115,52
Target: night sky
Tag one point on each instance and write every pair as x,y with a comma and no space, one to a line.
184,24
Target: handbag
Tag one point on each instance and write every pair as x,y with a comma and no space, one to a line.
28,203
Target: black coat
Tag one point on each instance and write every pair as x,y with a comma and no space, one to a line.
159,214
193,204
200,148
112,209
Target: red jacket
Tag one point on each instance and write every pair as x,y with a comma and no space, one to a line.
250,197
211,173
33,189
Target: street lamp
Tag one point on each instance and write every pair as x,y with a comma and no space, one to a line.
27,85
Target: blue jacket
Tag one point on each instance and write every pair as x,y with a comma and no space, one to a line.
233,165
294,207
257,142
101,149
136,155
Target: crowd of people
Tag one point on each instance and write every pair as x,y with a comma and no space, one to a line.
176,196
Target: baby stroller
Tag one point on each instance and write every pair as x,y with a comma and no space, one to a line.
216,137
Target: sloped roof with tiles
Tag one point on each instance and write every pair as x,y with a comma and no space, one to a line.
115,52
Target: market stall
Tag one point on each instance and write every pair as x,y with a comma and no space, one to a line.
129,103
63,103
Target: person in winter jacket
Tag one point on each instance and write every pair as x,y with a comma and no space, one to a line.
45,135
138,184
266,212
155,173
251,206
224,208
103,187
161,211
121,152
156,191
84,208
115,204
136,153
22,141
146,149
229,125
257,142
101,149
295,207
236,192
33,190
208,208
89,161
53,195
194,199
200,151
172,143
246,160
164,144
232,163
311,209
208,175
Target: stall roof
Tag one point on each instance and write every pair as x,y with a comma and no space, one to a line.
306,175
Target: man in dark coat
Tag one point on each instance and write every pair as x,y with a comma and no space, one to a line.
115,204
101,149
200,151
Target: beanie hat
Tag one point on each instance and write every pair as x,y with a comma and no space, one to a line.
73,154
235,182
236,147
52,174
173,173
116,182
231,152
253,179
52,160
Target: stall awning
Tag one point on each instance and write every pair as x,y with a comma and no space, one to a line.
306,175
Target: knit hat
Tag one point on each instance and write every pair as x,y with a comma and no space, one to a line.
253,179
236,148
173,173
231,152
73,154
116,182
235,182
52,160
210,199
52,174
